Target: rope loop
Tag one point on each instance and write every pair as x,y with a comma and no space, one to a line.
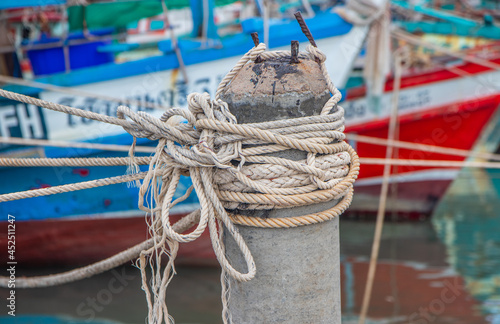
316,54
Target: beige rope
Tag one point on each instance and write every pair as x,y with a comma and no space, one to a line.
93,146
286,222
224,183
194,150
39,162
64,109
70,187
79,93
431,163
422,147
152,127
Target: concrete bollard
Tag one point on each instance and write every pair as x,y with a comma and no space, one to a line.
298,272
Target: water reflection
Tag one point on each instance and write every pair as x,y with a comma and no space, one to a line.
193,297
468,222
446,270
413,283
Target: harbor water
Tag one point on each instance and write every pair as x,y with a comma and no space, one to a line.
442,270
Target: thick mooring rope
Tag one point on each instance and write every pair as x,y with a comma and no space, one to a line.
206,150
205,147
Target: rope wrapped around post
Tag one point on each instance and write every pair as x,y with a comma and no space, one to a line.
229,170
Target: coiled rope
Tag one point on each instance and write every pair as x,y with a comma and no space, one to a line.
205,147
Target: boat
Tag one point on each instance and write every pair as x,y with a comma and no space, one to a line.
447,98
86,226
437,106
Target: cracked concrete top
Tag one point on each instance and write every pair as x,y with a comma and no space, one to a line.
285,90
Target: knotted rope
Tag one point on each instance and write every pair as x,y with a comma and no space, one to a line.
230,170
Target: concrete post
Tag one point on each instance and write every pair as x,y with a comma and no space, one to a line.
298,277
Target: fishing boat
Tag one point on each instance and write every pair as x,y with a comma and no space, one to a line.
446,105
436,107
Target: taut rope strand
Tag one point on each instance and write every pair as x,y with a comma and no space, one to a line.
70,187
45,162
78,93
422,147
90,146
393,122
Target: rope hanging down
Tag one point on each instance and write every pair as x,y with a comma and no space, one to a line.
229,170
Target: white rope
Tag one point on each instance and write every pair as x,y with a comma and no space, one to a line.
43,162
70,187
92,146
79,93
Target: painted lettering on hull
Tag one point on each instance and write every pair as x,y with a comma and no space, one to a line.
22,120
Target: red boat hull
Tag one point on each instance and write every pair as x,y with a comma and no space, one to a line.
84,241
419,188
